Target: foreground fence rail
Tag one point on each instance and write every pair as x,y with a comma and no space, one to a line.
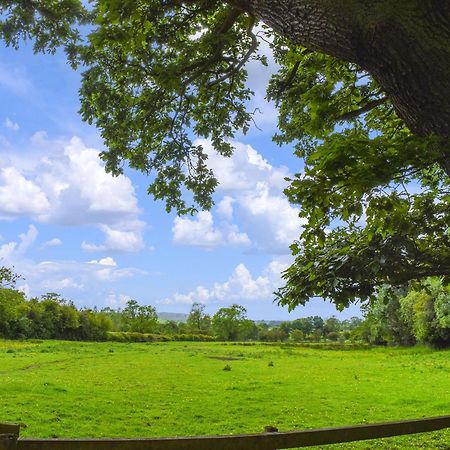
9,438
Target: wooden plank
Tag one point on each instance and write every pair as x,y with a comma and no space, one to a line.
266,441
8,441
9,428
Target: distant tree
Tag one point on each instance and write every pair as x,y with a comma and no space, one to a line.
274,334
59,316
8,277
333,336
142,319
12,307
198,321
170,327
384,320
296,335
332,324
424,308
229,323
94,325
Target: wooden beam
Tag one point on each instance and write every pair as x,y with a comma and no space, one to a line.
9,428
9,433
265,441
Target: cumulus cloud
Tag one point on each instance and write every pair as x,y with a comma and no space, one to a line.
71,188
250,192
67,276
8,123
127,240
20,196
200,231
241,286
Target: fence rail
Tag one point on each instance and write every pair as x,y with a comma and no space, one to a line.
9,438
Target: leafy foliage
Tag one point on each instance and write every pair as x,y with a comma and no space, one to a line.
157,74
417,315
375,195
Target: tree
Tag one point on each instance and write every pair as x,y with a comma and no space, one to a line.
8,277
230,324
362,90
198,321
139,318
385,323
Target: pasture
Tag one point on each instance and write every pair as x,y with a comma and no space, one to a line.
79,389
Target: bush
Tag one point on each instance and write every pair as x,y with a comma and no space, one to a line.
128,336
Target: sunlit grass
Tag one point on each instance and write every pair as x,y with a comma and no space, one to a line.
58,389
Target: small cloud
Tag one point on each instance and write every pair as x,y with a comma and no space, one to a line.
118,240
116,301
39,139
15,249
8,123
52,243
108,261
63,283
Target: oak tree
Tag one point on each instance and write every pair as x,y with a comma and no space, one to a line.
363,91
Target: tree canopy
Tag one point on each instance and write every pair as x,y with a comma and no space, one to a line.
363,92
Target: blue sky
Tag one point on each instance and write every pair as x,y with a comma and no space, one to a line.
69,227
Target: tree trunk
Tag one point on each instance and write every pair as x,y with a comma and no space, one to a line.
403,44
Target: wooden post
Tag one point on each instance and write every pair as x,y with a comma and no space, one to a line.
270,429
8,441
9,433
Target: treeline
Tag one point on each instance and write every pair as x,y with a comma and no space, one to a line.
420,314
53,317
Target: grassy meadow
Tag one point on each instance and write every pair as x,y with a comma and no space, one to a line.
73,389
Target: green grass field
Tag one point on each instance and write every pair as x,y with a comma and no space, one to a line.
67,389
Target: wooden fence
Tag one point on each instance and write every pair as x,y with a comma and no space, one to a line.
9,438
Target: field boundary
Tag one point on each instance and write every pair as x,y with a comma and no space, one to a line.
9,438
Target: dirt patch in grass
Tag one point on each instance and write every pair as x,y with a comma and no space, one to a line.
225,358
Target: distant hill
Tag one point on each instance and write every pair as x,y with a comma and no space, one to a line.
270,323
176,317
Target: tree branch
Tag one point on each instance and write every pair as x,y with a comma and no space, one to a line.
366,108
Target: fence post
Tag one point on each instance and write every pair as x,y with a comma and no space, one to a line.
270,429
8,441
9,433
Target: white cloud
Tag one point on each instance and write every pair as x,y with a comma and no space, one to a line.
200,231
55,242
108,261
116,301
250,192
71,188
14,249
118,240
66,276
241,286
225,208
20,196
270,216
8,123
60,284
